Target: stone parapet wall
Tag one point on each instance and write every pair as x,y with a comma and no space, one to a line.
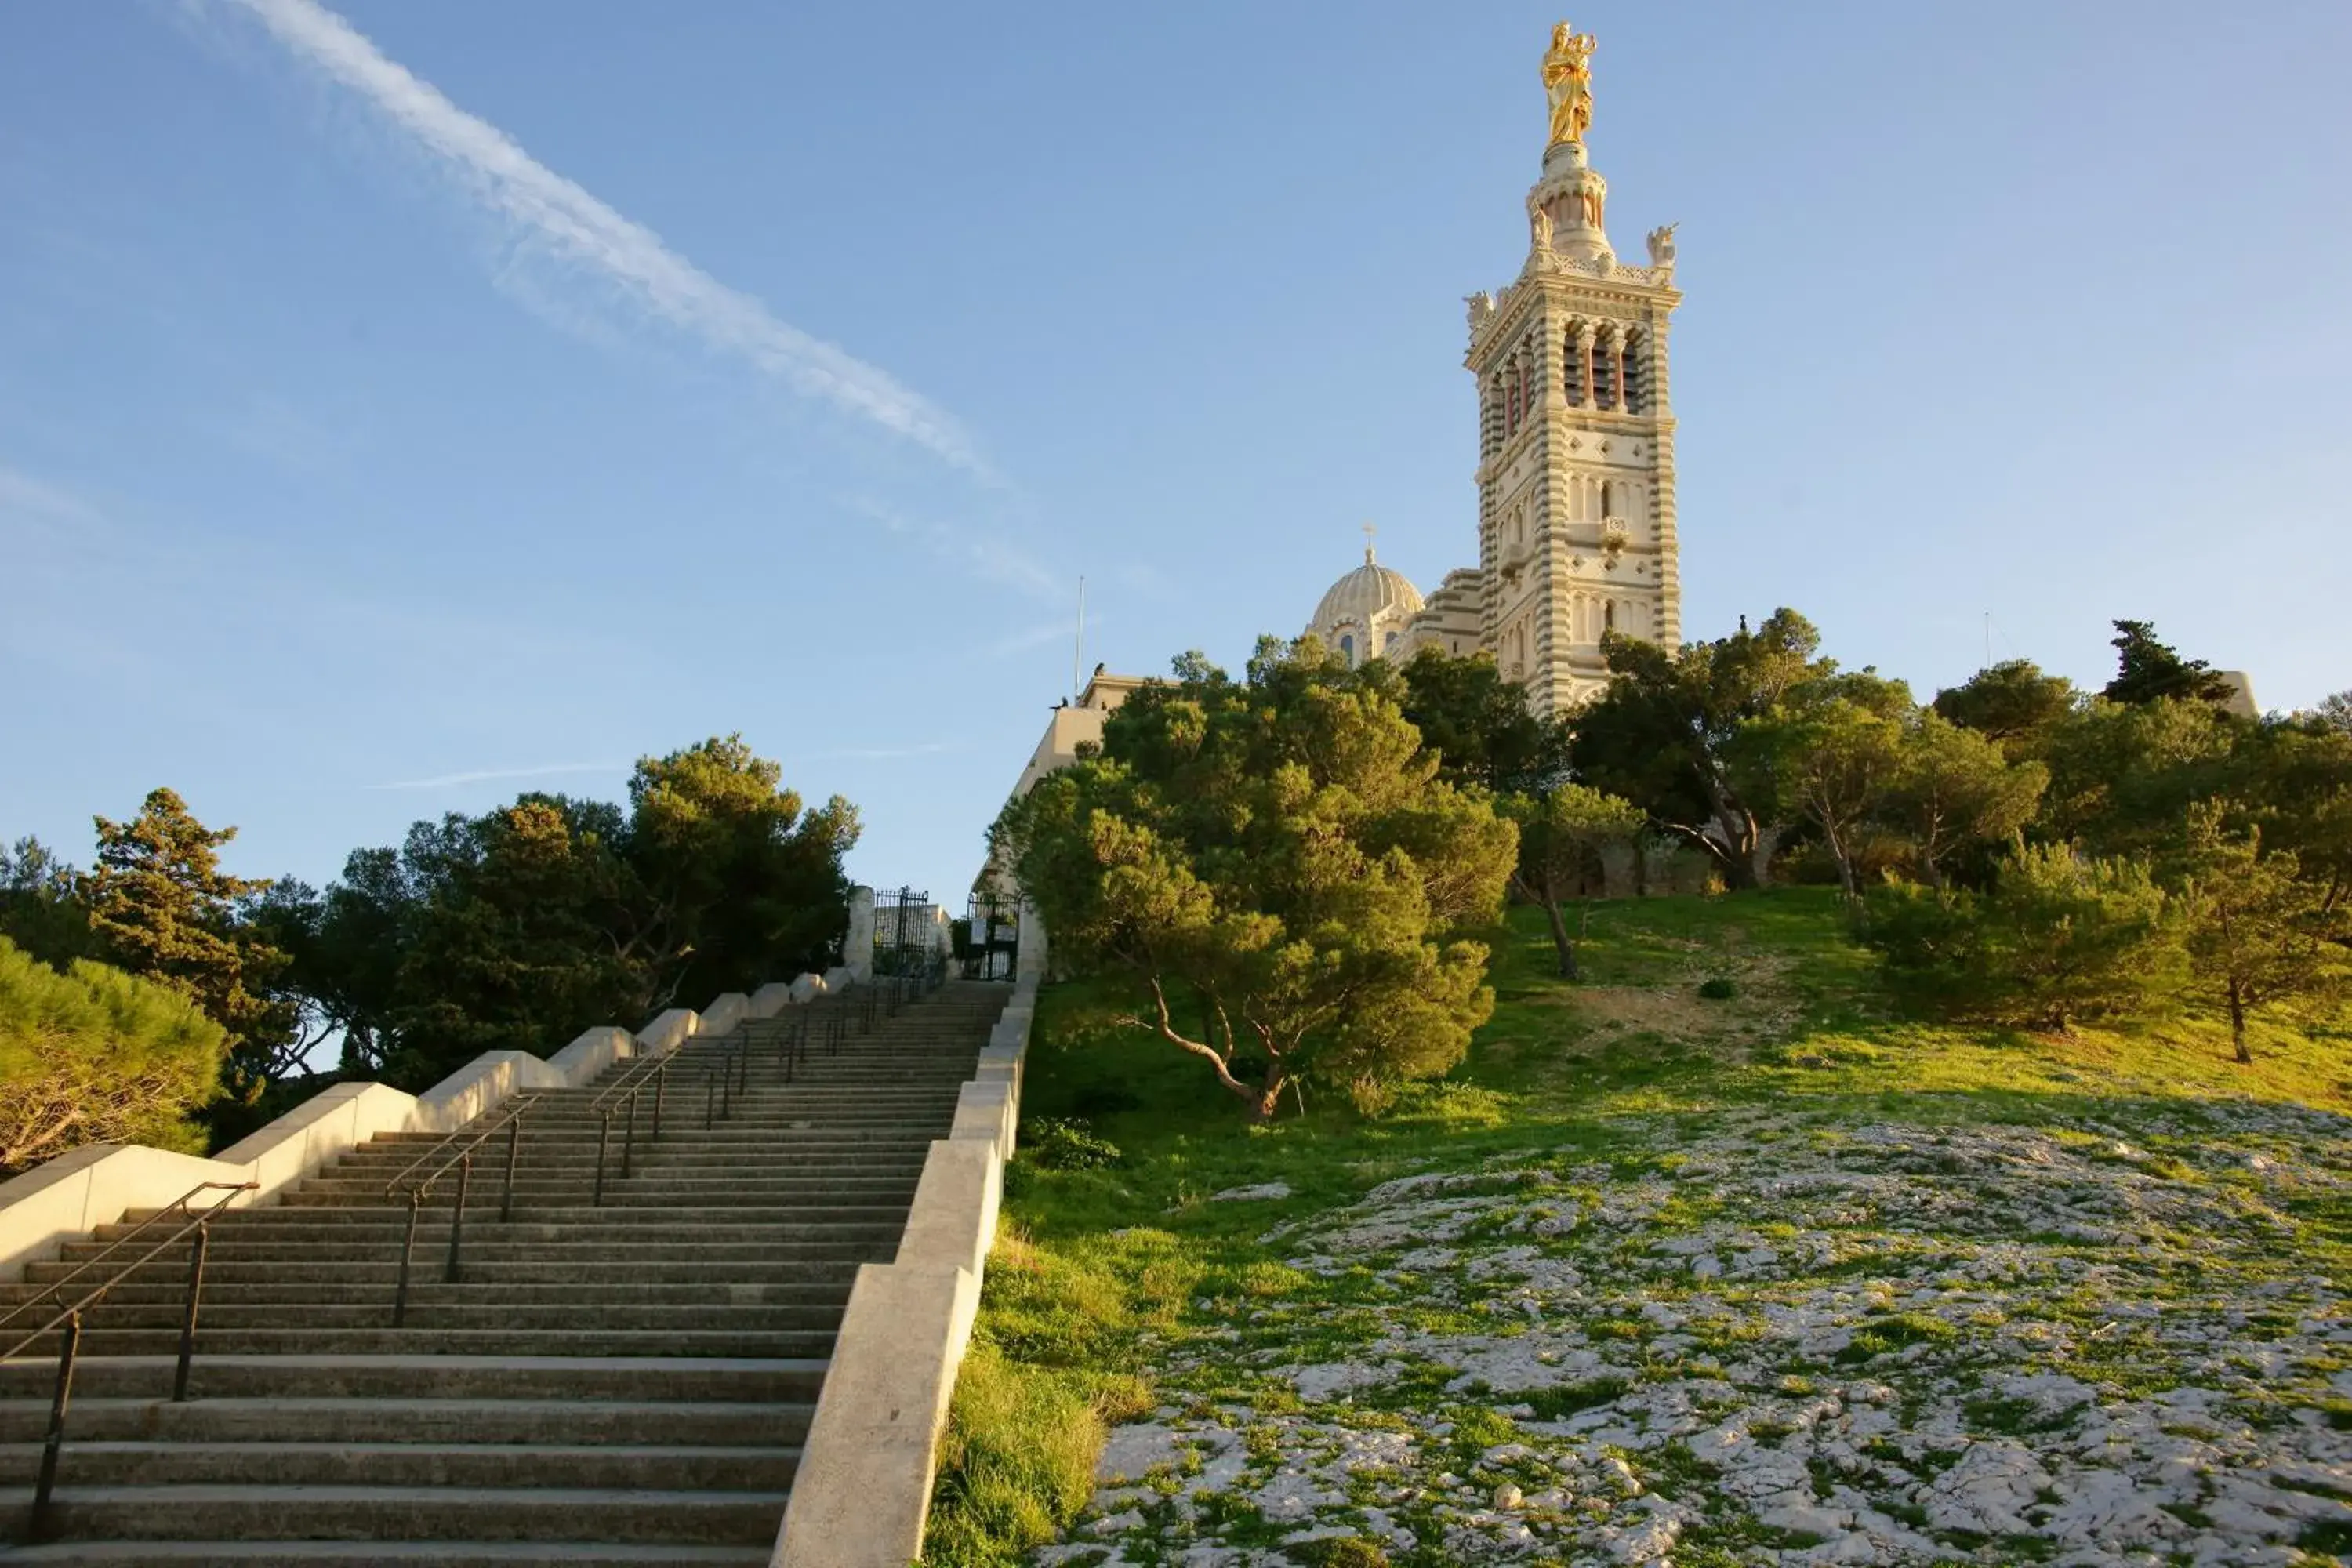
863,1492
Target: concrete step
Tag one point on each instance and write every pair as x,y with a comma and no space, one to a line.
660,1189
429,1375
350,1420
556,1222
390,1553
411,1464
566,1248
452,1309
672,1149
427,1286
402,1513
781,1264
575,1340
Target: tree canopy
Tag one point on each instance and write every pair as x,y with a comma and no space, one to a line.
1280,866
90,1054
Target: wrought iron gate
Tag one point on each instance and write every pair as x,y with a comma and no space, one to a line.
906,933
991,947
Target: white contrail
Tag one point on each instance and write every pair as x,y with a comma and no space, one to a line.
584,230
450,781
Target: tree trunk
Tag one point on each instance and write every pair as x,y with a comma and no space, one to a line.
1844,865
1765,843
2238,1025
1269,1097
1561,940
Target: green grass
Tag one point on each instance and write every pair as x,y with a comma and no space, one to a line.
1100,1272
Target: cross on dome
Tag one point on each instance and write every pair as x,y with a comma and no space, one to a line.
1368,532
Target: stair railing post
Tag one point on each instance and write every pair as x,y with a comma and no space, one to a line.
603,1138
709,1101
629,1140
661,1081
457,1218
407,1253
727,1086
188,1321
514,1152
56,1440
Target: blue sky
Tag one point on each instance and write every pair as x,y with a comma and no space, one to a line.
402,410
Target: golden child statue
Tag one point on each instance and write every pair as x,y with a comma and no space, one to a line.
1568,83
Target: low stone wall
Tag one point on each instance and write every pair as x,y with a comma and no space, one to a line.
98,1182
864,1488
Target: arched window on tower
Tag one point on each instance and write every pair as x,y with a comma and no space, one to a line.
1571,363
1608,500
1609,616
1637,373
1348,647
1604,372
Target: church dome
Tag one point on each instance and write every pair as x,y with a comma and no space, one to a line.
1372,591
1365,614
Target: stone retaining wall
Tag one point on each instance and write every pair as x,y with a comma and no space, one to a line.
864,1488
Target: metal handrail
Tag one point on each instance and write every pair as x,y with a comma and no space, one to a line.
70,1319
179,1204
507,1119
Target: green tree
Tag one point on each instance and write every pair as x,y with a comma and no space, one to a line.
2121,774
2257,931
1660,734
1953,787
2011,702
1563,836
2334,713
162,908
2149,671
2060,937
92,1055
41,908
1479,725
1279,858
1825,756
752,886
532,926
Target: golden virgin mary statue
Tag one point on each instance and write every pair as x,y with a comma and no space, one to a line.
1568,83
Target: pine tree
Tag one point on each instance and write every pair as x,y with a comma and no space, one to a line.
92,1055
162,908
1562,837
2148,670
2258,933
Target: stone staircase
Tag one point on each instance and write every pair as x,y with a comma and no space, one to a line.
627,1382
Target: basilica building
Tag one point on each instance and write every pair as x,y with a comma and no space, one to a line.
1575,442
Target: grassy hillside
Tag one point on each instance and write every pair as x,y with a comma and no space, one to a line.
1768,1278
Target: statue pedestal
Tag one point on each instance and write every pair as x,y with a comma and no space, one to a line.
1561,156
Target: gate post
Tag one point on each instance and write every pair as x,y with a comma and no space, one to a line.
858,951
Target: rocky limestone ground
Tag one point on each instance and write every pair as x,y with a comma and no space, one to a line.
1781,1337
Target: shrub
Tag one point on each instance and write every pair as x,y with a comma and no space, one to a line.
1066,1143
1718,988
2060,937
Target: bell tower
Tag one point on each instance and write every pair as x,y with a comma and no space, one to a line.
1576,470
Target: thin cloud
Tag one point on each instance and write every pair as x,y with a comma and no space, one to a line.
451,781
24,496
566,221
983,556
